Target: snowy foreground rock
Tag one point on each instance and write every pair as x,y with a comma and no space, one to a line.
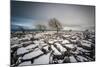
49,47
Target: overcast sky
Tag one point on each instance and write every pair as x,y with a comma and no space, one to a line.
29,14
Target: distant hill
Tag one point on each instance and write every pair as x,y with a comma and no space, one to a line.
15,27
20,28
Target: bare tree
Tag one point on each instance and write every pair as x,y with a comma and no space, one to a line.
55,24
41,27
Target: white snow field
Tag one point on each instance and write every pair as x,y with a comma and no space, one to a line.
48,47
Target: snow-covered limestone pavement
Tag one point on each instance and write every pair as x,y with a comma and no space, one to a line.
34,48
